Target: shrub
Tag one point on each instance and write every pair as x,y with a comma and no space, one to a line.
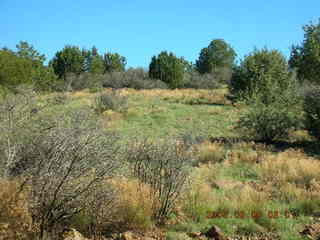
64,159
201,81
110,101
132,78
312,110
262,72
269,122
163,166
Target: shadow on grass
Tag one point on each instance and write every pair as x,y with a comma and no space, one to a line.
311,148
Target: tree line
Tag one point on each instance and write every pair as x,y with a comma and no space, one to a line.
26,65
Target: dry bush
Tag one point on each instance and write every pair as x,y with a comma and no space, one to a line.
165,167
110,101
98,211
290,166
15,217
64,159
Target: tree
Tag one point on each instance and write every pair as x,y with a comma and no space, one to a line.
93,62
168,68
113,62
25,66
262,73
305,58
217,58
14,70
69,60
25,50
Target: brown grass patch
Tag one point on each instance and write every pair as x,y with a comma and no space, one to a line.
211,152
134,207
291,166
15,218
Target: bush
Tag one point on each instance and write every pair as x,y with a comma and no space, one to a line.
264,73
312,110
163,166
64,159
269,122
110,101
132,78
201,81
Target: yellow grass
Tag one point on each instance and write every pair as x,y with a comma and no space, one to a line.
290,166
15,218
211,152
134,205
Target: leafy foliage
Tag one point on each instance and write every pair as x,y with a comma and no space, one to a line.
113,62
25,66
168,68
93,61
306,57
312,110
69,60
264,73
269,122
218,58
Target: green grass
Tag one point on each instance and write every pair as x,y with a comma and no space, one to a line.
161,117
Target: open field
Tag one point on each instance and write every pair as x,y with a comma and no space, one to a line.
244,188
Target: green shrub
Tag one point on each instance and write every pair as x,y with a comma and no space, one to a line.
110,101
312,110
262,72
269,122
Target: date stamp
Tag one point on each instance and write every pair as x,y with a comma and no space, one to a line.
250,214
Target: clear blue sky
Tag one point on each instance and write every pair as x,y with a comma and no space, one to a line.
139,29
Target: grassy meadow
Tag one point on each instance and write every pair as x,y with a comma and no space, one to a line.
244,188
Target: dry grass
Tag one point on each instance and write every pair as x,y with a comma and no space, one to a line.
81,94
112,115
183,95
291,166
211,152
134,206
15,218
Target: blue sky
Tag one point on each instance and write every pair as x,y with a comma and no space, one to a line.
139,29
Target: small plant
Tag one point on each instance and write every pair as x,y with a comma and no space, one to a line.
110,101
